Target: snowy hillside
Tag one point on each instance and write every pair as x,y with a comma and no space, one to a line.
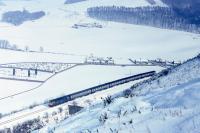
188,71
169,107
58,36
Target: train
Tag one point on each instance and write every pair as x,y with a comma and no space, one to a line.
70,97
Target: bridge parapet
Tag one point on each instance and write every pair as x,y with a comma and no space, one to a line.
156,62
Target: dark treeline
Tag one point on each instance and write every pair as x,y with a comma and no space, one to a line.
73,1
161,17
184,4
18,17
189,9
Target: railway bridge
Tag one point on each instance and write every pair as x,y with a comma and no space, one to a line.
30,69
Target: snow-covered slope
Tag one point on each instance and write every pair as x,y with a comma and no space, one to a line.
188,71
54,33
172,106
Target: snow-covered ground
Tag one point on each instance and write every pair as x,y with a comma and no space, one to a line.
30,113
54,33
72,80
189,71
166,108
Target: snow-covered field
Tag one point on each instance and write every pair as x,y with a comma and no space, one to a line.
73,80
28,114
165,108
54,33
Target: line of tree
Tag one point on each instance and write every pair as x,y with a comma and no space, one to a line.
73,1
184,4
4,44
188,9
18,17
161,17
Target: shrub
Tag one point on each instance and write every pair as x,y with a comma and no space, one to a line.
108,100
28,126
127,92
103,118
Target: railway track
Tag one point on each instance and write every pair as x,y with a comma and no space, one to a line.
97,88
78,95
3,123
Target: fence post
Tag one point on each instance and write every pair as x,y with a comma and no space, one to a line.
36,71
14,72
29,72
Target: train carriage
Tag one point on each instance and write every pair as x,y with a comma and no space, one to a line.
105,86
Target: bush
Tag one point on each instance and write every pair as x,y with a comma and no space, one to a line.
1,115
165,72
33,106
108,100
28,126
198,56
6,130
103,118
127,92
